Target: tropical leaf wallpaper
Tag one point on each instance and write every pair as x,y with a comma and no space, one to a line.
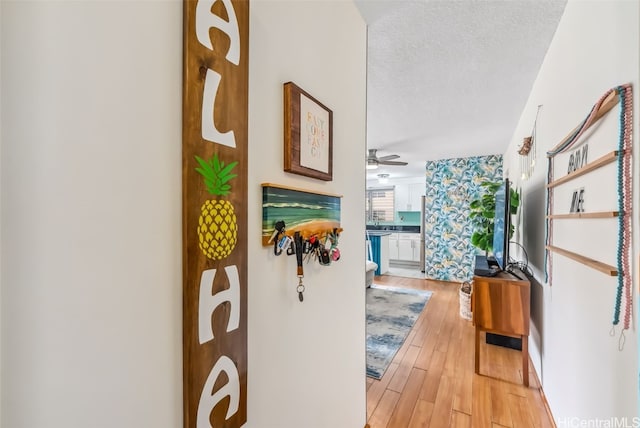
451,184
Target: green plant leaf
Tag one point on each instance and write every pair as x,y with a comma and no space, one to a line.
489,213
206,168
226,178
482,213
201,171
227,169
475,238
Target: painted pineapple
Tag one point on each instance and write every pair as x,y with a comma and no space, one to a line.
217,225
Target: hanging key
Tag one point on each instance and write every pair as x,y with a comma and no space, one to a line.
278,229
298,243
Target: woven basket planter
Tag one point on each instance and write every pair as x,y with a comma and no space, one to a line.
465,300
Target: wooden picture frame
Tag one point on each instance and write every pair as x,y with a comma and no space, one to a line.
308,134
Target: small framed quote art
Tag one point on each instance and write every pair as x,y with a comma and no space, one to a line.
308,134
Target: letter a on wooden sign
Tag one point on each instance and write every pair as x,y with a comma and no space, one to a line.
214,208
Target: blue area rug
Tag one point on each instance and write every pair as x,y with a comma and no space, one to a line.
391,313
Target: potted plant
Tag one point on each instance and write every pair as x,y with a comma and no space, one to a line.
483,213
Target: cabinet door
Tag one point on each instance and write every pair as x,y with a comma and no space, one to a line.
416,249
401,195
502,304
405,250
393,246
416,191
384,255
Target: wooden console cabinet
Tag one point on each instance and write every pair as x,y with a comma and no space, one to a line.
501,305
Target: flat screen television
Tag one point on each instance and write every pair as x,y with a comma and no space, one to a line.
502,226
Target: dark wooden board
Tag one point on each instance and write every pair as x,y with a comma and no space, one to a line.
209,62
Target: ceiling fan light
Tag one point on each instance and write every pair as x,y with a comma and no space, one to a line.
371,164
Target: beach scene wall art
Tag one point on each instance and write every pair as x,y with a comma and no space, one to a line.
308,212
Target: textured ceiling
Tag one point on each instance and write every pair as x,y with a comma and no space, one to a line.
450,78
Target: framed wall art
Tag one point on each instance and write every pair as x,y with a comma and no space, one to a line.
308,134
304,211
214,213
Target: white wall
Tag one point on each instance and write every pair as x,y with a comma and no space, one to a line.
307,360
91,198
0,216
583,372
393,181
91,280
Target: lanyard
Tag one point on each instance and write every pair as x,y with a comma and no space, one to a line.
299,247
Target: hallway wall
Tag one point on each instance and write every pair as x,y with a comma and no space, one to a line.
90,164
91,196
584,374
307,359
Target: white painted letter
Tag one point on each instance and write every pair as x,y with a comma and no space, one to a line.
209,130
206,20
208,399
208,302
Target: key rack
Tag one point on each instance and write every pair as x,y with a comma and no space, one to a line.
301,223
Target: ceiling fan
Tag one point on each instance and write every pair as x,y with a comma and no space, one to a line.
373,161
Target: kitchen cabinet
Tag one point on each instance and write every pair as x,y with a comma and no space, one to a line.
416,249
501,305
404,247
393,246
416,192
401,196
408,196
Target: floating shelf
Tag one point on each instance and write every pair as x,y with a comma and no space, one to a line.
604,160
603,214
594,264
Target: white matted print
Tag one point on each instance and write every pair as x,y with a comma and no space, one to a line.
308,134
314,135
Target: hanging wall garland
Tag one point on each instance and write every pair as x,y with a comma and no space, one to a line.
624,95
528,152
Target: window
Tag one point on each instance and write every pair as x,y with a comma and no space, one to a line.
379,204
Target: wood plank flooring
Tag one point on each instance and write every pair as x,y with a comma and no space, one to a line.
431,381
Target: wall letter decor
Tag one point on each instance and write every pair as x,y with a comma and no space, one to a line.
214,208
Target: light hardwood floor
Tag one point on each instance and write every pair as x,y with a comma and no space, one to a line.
431,381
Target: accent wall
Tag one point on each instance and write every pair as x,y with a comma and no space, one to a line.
451,184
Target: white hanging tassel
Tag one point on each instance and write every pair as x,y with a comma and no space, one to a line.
528,152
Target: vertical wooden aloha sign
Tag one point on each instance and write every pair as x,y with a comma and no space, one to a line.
214,171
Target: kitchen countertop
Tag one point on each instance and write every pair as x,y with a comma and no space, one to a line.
394,228
379,232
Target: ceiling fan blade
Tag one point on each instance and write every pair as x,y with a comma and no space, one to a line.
392,162
388,157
